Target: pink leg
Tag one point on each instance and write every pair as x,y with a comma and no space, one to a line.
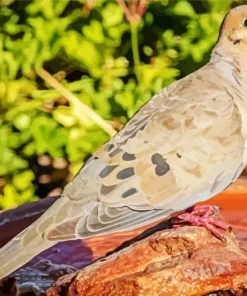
212,229
217,223
199,216
207,210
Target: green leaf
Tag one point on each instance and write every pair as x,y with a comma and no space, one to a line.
112,15
22,121
219,5
64,115
23,180
10,162
9,199
184,8
94,32
48,136
29,149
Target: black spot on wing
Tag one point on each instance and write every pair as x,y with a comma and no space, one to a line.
162,170
178,155
108,147
162,167
157,159
107,170
125,173
129,192
128,157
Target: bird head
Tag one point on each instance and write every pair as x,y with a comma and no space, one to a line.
234,28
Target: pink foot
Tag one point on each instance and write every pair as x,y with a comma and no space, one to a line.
200,216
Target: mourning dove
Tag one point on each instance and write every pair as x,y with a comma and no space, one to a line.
185,145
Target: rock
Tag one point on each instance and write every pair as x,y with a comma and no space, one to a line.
34,280
184,261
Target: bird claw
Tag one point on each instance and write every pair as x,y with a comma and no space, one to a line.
200,216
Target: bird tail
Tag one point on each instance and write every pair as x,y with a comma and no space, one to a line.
21,249
29,243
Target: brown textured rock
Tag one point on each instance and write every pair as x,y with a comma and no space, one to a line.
185,261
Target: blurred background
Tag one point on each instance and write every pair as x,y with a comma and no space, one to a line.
73,72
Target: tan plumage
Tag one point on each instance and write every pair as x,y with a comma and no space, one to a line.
187,144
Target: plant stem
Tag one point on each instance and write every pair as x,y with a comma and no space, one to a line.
49,79
126,10
135,48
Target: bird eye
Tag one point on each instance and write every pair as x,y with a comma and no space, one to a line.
245,23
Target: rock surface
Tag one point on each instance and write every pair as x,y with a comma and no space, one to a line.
185,261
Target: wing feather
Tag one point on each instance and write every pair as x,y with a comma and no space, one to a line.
175,151
170,149
128,219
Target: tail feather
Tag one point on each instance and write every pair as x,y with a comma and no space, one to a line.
30,242
18,252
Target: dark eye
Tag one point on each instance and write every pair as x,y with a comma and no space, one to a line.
245,23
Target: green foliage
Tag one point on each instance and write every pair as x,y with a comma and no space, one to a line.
111,66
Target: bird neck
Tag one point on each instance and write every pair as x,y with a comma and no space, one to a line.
230,61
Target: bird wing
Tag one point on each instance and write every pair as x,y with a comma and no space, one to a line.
176,145
185,145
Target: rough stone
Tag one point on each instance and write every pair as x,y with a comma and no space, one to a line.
185,261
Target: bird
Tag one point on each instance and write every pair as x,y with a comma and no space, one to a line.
185,145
